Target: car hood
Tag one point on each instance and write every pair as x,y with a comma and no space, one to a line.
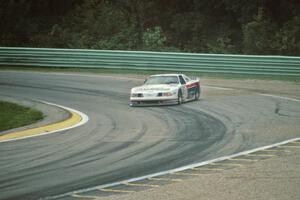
156,88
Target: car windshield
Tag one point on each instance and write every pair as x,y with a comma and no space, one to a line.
161,80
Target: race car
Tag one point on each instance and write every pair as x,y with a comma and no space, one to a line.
162,89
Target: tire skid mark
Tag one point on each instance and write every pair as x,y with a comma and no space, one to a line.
185,171
178,140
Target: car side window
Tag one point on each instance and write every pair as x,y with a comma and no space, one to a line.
182,81
186,79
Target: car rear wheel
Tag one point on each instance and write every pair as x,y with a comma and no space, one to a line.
197,94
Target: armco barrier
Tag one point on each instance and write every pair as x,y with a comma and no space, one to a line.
163,61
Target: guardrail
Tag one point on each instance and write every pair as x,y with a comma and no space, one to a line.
140,60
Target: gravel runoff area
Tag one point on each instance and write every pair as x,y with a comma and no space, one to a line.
274,178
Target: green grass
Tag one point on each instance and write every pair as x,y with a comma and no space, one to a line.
13,115
148,72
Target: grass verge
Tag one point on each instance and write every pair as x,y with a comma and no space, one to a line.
13,115
149,72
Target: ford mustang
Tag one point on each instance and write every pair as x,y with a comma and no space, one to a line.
162,89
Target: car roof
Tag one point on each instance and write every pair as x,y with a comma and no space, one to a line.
167,74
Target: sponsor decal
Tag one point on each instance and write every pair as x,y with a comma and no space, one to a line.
192,85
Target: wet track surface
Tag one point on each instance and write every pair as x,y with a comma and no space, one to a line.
120,142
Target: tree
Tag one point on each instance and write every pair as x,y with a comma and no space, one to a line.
153,39
257,35
97,24
206,26
288,38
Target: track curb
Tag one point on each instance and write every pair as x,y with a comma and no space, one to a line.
76,119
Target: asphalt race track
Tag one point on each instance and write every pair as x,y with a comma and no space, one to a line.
120,142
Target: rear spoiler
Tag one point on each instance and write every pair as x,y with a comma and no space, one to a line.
194,78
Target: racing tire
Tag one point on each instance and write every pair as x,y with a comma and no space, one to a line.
180,99
197,94
133,104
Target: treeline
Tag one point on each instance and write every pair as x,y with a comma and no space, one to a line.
205,26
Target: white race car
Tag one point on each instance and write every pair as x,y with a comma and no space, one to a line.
164,89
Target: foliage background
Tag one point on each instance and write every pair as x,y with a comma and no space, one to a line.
203,26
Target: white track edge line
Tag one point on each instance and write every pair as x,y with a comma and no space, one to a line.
84,119
280,97
172,170
217,88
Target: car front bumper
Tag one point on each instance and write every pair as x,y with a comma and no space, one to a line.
153,101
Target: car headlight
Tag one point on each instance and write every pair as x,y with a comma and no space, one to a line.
134,94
